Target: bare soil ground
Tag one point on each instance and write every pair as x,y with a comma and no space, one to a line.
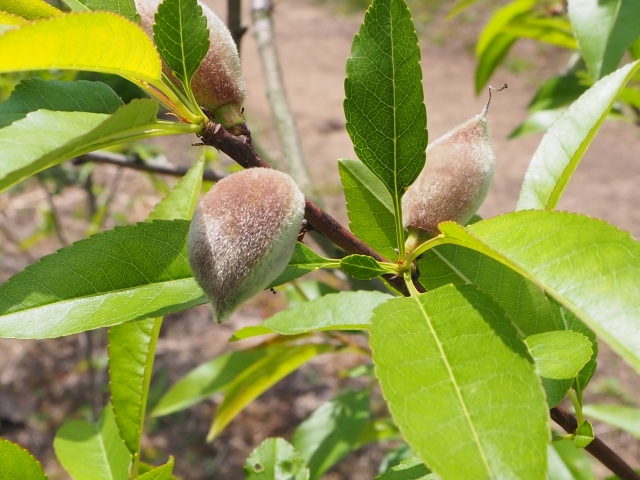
44,383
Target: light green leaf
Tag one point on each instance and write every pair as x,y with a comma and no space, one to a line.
370,207
584,435
94,41
409,469
537,122
211,377
126,8
275,459
566,462
303,261
181,34
384,104
565,143
29,10
129,273
491,57
459,7
162,472
430,352
361,267
331,431
144,468
560,354
90,451
79,96
554,30
259,377
620,416
559,251
336,311
16,462
605,30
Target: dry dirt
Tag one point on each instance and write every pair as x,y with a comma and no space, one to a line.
43,383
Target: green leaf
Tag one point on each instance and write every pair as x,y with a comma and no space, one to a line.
90,451
459,7
554,30
384,104
211,377
30,10
584,435
370,207
452,355
557,92
559,251
258,378
303,292
9,21
129,273
181,202
409,469
331,432
620,416
64,135
566,462
94,41
79,96
491,57
162,472
275,459
560,354
537,122
362,267
562,148
336,311
378,429
303,261
16,462
604,30
126,8
181,34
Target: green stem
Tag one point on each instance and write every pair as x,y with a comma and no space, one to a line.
577,406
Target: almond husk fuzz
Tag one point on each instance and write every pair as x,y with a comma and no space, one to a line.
455,179
218,84
242,236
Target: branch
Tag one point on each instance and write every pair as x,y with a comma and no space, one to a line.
597,447
234,21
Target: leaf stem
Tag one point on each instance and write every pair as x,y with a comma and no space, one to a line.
576,405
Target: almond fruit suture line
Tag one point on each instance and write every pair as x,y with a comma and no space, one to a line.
242,236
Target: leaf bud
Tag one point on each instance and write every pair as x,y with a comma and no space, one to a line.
218,84
242,236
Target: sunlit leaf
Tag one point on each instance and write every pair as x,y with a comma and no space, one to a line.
9,19
275,459
560,354
16,463
29,9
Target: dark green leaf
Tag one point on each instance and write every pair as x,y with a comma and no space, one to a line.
567,140
182,37
430,352
275,459
80,96
370,207
331,431
303,261
18,463
90,451
129,273
620,416
336,311
409,469
361,267
605,30
126,8
559,355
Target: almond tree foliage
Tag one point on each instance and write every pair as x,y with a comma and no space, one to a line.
481,330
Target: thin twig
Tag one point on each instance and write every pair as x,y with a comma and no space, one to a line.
54,214
234,21
597,447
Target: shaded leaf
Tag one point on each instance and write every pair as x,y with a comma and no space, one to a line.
560,354
409,469
620,416
16,462
557,92
362,267
303,261
275,459
537,122
566,462
126,8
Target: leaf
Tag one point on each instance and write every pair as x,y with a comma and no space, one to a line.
94,41
491,57
129,273
211,377
64,135
162,472
459,7
303,261
537,122
362,267
409,469
181,202
144,468
557,92
560,354
604,30
377,430
79,96
126,8
29,10
336,311
275,459
16,462
554,30
584,435
563,146
384,104
370,207
559,251
182,37
258,378
90,451
8,21
452,355
620,416
566,462
331,432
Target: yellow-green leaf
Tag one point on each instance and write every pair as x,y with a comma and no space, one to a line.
29,9
7,18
